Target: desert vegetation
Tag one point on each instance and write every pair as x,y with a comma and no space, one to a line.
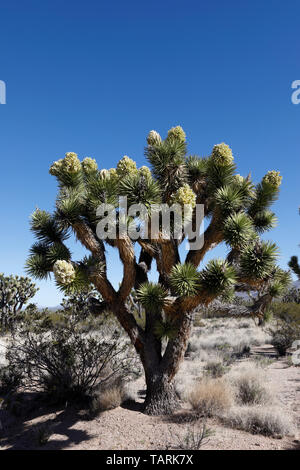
95,372
64,361
237,211
199,350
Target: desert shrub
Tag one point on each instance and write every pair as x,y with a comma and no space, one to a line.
223,347
80,304
258,420
228,358
107,399
210,397
292,295
241,350
53,319
195,436
287,311
43,434
249,389
267,317
283,336
67,364
10,379
215,369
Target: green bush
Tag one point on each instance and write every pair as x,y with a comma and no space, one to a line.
286,311
283,336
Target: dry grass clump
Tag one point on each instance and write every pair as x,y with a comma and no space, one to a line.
259,420
210,397
107,400
215,368
249,389
248,383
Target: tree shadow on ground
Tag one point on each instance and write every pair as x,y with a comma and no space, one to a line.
133,405
20,433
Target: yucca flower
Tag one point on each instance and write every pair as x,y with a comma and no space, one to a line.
56,167
145,171
71,163
89,165
126,166
153,138
64,272
185,195
273,178
222,154
239,179
177,133
104,173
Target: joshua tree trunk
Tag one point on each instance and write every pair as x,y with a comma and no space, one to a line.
161,397
160,370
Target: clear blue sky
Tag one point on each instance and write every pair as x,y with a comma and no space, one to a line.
94,77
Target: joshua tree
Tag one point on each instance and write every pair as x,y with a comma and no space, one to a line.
294,265
15,292
236,212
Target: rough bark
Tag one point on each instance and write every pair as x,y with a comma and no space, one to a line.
161,398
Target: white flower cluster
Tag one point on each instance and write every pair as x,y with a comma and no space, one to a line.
64,272
153,138
185,195
126,166
222,154
177,133
89,165
104,173
273,178
69,164
239,178
145,171
112,174
56,167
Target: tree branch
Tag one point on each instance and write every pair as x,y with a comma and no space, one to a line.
212,237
